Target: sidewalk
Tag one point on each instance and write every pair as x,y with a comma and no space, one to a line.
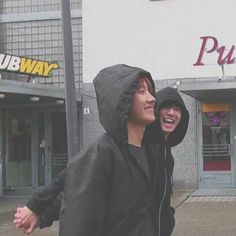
178,197
195,216
8,205
206,216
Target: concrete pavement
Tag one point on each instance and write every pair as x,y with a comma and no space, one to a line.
195,216
206,216
8,204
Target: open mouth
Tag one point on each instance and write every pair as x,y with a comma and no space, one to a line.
169,121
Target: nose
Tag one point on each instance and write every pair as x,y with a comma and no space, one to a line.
171,111
151,99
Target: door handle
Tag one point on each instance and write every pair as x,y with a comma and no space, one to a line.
42,159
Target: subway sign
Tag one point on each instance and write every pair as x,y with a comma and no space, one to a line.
24,65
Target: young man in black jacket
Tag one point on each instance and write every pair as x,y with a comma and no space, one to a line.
107,188
173,119
170,110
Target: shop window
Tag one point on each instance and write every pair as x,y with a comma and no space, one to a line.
19,139
216,149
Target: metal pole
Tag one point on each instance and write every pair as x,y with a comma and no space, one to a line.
71,105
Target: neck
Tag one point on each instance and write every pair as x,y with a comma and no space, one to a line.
135,134
166,136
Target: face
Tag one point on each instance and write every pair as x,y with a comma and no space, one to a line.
170,117
142,107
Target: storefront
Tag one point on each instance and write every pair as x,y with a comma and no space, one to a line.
32,92
33,141
216,130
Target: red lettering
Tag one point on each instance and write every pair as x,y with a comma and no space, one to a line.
203,49
228,58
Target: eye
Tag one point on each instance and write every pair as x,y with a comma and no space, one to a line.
141,91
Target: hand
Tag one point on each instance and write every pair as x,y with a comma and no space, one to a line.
26,220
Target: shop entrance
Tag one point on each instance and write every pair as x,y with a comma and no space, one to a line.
35,149
217,145
51,145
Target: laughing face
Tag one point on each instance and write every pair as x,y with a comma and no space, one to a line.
170,116
142,108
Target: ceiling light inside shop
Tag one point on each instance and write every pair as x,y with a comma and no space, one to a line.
60,101
2,95
34,99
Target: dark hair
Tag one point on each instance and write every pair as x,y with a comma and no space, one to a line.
170,103
149,84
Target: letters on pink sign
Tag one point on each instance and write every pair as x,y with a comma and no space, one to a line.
223,56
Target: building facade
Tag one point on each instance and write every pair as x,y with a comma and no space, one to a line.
33,143
186,44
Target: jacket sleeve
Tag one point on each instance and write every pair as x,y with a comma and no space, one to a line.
41,200
51,213
86,195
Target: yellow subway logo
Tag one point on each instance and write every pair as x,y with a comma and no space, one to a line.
26,65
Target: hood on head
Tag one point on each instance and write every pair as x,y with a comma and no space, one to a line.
174,138
115,87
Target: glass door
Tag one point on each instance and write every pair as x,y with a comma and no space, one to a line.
42,147
18,172
51,145
35,149
216,148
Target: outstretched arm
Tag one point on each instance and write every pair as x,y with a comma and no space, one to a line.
43,199
42,208
27,221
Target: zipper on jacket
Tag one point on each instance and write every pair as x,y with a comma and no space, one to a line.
162,200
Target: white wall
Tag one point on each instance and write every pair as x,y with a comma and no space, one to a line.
160,36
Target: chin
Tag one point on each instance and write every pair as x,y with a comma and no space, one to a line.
152,120
149,121
167,130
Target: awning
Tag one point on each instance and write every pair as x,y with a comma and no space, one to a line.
21,93
209,89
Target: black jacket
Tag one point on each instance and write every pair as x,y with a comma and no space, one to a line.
165,164
139,213
108,191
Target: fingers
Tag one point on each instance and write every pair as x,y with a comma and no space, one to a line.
17,223
23,229
25,220
31,229
27,229
20,219
17,218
